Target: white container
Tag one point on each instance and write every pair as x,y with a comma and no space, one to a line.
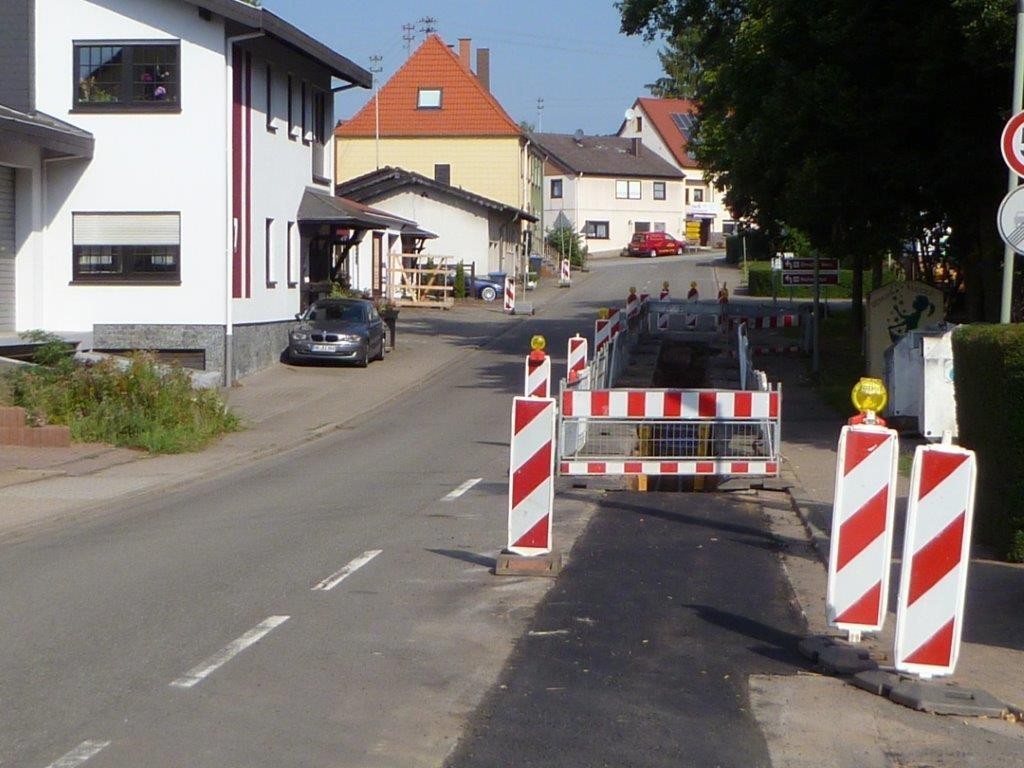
919,378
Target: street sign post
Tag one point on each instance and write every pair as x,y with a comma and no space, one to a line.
1012,143
810,271
1010,219
807,278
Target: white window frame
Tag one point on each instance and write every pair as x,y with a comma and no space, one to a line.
425,99
627,189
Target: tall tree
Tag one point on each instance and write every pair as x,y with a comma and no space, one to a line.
855,121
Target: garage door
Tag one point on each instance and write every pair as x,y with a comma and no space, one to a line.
6,248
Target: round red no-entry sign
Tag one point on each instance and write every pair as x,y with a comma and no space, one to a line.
1012,143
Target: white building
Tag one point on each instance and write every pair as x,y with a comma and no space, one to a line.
608,188
665,125
468,227
158,155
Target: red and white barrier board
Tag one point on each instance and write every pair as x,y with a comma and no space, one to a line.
689,467
862,524
565,277
670,404
664,294
616,322
632,306
936,552
577,358
538,376
602,334
775,321
531,488
510,294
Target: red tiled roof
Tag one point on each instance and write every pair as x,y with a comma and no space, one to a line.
659,112
467,108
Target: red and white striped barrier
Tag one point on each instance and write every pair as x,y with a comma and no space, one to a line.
632,306
760,350
531,488
691,467
510,294
602,334
664,295
577,359
776,321
862,523
936,552
644,298
565,276
616,322
670,404
538,375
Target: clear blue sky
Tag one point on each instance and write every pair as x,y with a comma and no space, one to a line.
569,52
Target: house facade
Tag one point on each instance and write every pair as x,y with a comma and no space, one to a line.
468,228
607,188
180,230
666,125
437,117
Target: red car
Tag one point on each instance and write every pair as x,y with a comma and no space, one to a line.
654,244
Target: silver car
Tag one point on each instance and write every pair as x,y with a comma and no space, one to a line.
345,330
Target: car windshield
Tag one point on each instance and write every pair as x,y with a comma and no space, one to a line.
352,313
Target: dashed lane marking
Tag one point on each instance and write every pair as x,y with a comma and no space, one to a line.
228,652
462,489
79,754
340,575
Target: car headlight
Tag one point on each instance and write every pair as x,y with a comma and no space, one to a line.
299,335
348,337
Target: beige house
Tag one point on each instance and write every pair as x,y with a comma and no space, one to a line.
437,118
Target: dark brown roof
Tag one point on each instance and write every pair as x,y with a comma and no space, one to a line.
604,156
376,185
321,208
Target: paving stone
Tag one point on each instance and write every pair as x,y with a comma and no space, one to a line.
812,646
946,699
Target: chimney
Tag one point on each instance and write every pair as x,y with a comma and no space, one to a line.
483,67
635,144
464,45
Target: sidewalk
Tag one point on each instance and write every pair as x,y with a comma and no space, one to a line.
282,407
992,652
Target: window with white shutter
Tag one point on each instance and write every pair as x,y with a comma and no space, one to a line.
142,247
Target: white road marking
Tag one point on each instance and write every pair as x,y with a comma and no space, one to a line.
338,576
79,754
462,489
228,652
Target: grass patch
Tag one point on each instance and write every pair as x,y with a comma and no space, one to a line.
841,362
145,405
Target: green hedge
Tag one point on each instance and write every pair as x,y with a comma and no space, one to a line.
989,365
759,283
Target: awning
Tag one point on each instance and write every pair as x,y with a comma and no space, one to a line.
54,137
321,208
415,231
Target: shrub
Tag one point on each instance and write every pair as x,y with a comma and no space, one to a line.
566,242
989,365
459,286
143,406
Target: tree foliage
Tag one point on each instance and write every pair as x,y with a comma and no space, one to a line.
863,123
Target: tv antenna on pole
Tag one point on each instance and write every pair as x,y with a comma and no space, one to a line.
540,113
408,34
428,25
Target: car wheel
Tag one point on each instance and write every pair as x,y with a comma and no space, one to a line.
487,293
380,350
679,250
364,359
653,253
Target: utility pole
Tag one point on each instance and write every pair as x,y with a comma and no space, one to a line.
428,25
1009,254
408,34
376,69
540,111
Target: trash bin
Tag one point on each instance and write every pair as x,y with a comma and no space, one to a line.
535,263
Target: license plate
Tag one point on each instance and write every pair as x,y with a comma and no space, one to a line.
323,348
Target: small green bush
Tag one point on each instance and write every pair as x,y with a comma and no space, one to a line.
459,287
989,365
566,242
143,406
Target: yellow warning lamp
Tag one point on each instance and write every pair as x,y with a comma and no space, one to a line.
665,285
602,313
869,396
537,344
632,290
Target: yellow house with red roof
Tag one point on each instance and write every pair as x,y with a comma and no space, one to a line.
438,118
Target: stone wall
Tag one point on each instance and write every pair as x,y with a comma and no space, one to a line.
255,345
